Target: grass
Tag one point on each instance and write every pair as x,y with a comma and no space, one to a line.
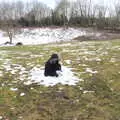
97,97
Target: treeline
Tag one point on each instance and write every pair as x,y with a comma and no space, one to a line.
83,13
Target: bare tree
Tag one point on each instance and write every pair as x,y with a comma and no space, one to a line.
10,28
63,9
8,17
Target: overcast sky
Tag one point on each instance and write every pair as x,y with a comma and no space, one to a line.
51,3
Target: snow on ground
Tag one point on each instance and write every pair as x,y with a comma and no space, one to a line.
13,89
22,94
36,75
89,70
1,117
68,61
44,35
65,77
1,73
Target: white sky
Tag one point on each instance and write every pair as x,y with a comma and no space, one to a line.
51,3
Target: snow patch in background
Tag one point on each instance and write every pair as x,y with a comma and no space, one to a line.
43,35
65,77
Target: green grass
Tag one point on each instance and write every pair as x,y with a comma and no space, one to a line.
97,97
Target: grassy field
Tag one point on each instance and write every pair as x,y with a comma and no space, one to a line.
96,97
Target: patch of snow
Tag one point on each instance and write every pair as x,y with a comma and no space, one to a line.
68,61
12,108
22,94
13,89
22,77
2,84
86,91
98,59
7,67
65,45
1,73
20,117
84,65
61,88
65,77
81,88
43,35
28,82
13,71
34,56
23,71
31,88
94,59
104,53
85,58
112,60
89,52
89,70
6,64
8,45
1,117
13,68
